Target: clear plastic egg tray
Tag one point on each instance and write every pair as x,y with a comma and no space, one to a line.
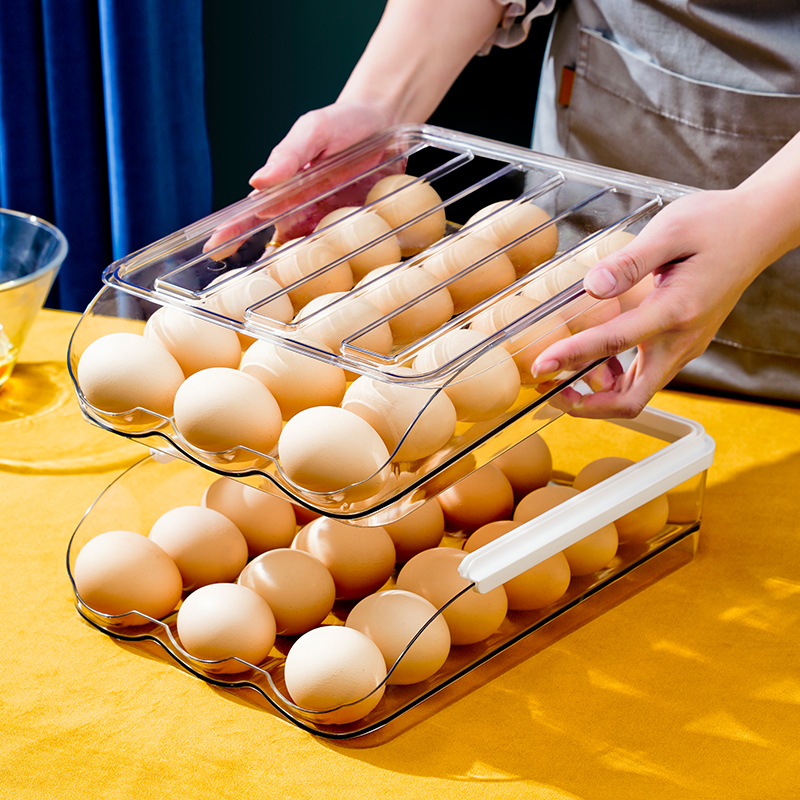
192,269
671,456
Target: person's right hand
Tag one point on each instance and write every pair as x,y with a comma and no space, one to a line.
319,134
313,137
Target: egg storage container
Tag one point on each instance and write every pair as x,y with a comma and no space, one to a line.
428,266
669,457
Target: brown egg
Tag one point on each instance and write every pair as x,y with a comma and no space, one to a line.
426,314
330,319
413,421
195,343
525,347
594,552
590,554
418,530
483,496
297,587
265,520
123,372
434,574
485,387
219,409
540,500
356,236
528,465
505,226
227,623
359,559
328,449
119,572
461,252
392,619
639,525
305,268
399,199
297,381
206,545
537,587
336,671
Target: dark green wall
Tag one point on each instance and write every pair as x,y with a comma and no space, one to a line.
269,62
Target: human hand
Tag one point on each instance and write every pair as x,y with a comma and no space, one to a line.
313,137
702,250
319,134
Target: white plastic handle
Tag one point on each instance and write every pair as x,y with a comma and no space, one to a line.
690,452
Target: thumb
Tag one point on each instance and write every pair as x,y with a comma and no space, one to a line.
620,271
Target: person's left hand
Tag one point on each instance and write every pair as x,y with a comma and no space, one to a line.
703,252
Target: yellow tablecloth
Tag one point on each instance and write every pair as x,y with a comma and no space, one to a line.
690,689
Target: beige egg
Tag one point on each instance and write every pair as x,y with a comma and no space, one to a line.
334,318
525,347
297,587
359,559
555,279
537,587
639,525
434,574
399,199
392,619
418,530
413,421
123,372
256,290
363,236
483,496
206,545
594,552
296,380
196,343
485,387
226,623
476,284
220,409
329,450
506,226
336,671
606,245
424,314
265,520
528,465
305,267
540,500
118,572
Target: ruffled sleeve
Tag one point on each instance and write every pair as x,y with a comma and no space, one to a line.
513,28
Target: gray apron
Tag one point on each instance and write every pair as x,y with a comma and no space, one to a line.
702,97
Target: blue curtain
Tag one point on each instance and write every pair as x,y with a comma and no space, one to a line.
102,126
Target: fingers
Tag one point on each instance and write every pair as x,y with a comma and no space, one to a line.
656,246
304,143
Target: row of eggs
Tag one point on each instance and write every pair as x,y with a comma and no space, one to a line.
251,567
329,436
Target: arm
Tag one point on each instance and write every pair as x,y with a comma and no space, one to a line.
414,56
703,250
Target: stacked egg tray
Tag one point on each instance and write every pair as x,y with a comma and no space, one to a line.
475,266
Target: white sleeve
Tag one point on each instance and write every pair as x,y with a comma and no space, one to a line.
513,28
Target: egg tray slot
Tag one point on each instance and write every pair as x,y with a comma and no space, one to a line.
150,488
195,269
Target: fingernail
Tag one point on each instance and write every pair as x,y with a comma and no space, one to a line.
600,282
550,367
